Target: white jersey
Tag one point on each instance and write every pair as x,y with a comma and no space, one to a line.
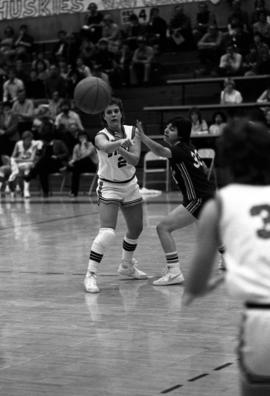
26,154
113,167
245,232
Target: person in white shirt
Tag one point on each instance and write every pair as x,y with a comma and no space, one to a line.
12,86
240,217
230,95
230,63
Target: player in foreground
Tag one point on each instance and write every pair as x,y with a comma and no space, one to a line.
240,215
118,152
190,173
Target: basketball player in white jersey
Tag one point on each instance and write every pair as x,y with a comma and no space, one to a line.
240,216
118,152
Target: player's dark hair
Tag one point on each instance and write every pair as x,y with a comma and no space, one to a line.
183,126
114,101
244,148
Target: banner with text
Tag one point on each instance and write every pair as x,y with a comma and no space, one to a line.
13,9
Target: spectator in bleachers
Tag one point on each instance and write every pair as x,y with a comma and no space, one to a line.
203,20
260,46
209,47
264,98
12,86
259,6
107,61
25,154
21,70
35,88
53,159
218,123
40,56
54,104
140,67
74,43
23,43
111,32
82,69
157,29
97,72
262,27
198,124
60,50
133,30
9,134
7,50
238,18
92,28
55,82
43,123
229,95
23,109
84,159
180,29
86,52
66,121
230,63
42,70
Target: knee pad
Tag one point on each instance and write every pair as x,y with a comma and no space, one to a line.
105,237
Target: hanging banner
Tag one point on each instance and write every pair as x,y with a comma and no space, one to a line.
14,9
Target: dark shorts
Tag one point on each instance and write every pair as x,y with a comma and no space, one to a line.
195,206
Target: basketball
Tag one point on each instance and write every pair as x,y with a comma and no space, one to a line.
92,95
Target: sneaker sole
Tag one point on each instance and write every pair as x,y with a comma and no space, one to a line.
132,277
173,282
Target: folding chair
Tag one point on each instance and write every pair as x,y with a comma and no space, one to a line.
94,179
208,154
153,163
62,176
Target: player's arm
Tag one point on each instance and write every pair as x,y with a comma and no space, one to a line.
102,143
133,155
155,147
204,257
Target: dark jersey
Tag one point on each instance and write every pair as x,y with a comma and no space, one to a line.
189,172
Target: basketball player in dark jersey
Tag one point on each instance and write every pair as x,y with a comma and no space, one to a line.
190,174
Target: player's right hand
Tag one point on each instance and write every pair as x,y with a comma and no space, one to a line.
126,143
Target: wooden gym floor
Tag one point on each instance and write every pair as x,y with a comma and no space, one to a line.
132,339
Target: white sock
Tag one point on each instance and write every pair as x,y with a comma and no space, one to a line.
128,248
173,264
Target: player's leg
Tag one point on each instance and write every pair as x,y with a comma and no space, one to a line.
133,215
108,217
178,218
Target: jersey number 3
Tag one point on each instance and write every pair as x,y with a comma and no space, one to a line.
264,212
197,161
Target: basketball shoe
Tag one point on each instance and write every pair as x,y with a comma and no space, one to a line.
90,283
128,270
169,279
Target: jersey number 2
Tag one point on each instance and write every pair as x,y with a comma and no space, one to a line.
121,162
264,212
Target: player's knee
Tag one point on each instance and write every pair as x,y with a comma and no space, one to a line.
105,236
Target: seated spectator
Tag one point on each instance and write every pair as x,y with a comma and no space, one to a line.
42,70
40,56
263,63
23,109
23,43
8,173
25,154
111,32
92,28
198,125
230,95
209,47
260,46
84,159
7,50
133,30
107,61
238,17
140,68
82,71
9,134
54,105
97,72
262,27
125,61
65,122
12,86
259,6
249,65
55,82
21,71
60,50
180,28
54,157
157,29
86,52
43,124
202,21
218,123
230,63
35,88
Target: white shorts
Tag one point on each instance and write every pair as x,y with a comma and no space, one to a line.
124,194
254,344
